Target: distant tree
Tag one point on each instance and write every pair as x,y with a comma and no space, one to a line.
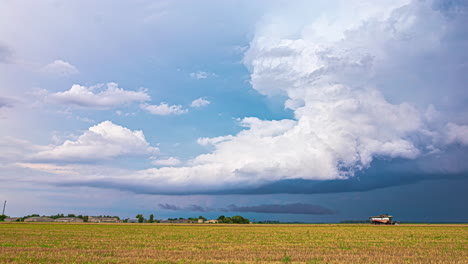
227,220
151,218
140,217
2,217
56,216
221,218
85,218
71,215
237,219
201,217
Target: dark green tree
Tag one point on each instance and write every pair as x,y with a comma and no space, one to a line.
221,218
151,218
140,217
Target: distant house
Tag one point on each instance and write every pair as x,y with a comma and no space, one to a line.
69,220
212,221
12,219
95,219
200,221
39,219
165,221
132,220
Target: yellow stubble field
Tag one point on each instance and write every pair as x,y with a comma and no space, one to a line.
218,243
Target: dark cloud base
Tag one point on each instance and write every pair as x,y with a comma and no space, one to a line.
294,208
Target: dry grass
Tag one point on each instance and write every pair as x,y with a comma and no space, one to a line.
165,243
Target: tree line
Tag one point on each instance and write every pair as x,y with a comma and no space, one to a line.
237,219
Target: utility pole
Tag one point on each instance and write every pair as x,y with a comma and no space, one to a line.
4,205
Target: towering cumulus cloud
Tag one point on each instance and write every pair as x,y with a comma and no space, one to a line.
361,87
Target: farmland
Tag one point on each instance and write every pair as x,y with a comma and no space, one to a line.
211,243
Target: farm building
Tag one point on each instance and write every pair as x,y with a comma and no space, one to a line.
132,220
69,220
12,219
95,219
39,219
212,221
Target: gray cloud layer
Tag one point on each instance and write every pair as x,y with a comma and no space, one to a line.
5,53
294,208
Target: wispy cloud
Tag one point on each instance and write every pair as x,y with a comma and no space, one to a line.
200,102
171,161
201,75
60,68
164,109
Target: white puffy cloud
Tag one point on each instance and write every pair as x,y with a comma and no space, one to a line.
60,68
164,109
171,161
200,102
91,97
100,142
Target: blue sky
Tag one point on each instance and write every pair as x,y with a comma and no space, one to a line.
337,109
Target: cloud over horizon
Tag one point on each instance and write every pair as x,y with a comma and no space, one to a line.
321,99
293,208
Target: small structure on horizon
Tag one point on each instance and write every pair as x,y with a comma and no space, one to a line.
212,221
12,219
39,219
69,220
96,219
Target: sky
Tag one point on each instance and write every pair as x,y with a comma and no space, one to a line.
310,111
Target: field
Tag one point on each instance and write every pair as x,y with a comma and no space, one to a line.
205,243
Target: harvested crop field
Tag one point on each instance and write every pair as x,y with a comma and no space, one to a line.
204,243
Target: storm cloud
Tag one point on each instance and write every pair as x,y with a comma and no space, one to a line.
293,208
